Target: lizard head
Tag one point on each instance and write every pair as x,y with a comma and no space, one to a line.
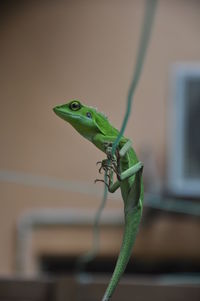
86,120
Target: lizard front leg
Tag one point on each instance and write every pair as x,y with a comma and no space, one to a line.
110,166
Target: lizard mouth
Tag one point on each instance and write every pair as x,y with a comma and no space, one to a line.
65,115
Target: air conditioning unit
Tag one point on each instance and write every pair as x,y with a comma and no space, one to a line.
184,131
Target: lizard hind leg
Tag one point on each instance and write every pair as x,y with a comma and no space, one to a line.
136,193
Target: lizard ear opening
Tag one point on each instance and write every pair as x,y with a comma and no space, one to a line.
89,115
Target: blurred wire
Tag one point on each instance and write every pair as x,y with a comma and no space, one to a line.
84,259
143,45
153,200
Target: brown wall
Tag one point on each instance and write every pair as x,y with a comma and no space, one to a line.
52,51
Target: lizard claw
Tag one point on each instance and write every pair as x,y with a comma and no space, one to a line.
99,180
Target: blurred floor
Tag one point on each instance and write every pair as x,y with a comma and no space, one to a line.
91,289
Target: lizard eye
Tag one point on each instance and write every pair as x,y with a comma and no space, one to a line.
75,105
89,115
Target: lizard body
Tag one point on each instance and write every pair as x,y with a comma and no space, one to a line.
95,127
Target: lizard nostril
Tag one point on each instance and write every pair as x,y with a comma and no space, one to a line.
56,109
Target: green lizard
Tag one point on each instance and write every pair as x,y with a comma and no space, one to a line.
95,127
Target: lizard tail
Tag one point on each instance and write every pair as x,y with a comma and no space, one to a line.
132,220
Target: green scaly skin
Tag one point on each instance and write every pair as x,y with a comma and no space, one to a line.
95,127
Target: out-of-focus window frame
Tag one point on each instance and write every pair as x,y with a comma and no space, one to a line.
177,182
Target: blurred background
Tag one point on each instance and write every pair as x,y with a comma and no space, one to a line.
52,51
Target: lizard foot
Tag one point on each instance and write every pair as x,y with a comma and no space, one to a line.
108,165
